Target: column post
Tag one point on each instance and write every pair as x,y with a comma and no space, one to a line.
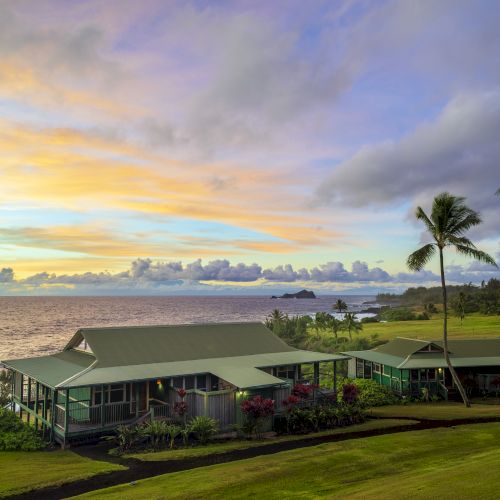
137,396
102,405
66,413
316,373
37,389
28,399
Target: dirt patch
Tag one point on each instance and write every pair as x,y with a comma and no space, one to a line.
140,469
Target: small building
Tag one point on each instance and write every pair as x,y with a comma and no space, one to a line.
105,377
409,365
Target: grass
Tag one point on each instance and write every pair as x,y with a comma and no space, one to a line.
438,463
217,448
437,411
22,471
474,326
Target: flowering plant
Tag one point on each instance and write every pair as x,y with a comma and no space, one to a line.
180,408
181,393
290,402
257,410
350,393
302,391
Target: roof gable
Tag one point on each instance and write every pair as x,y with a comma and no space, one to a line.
120,346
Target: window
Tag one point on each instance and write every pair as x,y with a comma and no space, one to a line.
178,382
423,375
214,383
201,382
432,373
368,369
189,382
116,393
376,367
360,365
287,372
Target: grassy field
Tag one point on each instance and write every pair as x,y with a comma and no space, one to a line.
217,448
23,471
437,411
474,326
437,463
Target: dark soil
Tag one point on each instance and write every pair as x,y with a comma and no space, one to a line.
138,469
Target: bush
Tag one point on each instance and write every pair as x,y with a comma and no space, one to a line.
257,410
157,432
204,428
371,393
15,435
398,314
127,437
349,393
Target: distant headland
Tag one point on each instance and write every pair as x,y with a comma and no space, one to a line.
303,294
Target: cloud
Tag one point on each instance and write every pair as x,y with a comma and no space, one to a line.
146,276
6,275
458,152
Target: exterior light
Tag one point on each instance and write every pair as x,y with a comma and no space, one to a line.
440,370
158,382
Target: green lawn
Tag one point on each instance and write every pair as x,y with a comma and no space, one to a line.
22,471
217,448
437,411
452,463
474,326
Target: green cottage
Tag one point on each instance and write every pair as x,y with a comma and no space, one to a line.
409,365
105,377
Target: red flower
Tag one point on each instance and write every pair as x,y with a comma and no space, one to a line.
181,393
290,402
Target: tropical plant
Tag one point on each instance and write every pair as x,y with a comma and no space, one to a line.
449,220
302,391
127,436
156,431
204,428
258,409
16,435
185,433
350,393
5,387
458,306
350,324
172,431
340,306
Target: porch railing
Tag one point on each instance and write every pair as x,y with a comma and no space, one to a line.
82,416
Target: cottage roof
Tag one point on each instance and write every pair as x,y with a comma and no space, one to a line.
234,352
406,353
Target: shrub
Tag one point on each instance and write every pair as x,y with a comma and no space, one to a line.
172,431
349,393
398,314
127,436
204,428
156,432
302,391
258,409
16,435
371,393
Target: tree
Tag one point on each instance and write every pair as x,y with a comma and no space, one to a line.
458,305
334,325
351,324
340,305
450,219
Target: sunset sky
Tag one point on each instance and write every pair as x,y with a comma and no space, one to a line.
241,146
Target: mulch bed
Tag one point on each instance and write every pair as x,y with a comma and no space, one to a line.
138,469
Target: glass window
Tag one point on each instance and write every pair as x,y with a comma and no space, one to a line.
214,383
201,382
414,375
368,369
178,382
360,368
423,375
432,373
116,393
189,382
376,367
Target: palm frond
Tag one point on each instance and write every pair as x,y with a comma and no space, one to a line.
460,240
421,215
417,260
476,254
463,220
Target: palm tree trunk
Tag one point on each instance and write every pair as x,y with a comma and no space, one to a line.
454,375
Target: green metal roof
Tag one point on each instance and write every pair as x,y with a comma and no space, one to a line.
53,370
231,351
407,353
154,344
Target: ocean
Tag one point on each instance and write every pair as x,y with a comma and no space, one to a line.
33,326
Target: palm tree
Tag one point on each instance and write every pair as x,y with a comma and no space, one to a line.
459,306
340,305
350,324
335,326
449,220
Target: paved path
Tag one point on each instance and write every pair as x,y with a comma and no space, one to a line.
138,469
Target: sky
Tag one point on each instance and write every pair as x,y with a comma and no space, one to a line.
242,147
